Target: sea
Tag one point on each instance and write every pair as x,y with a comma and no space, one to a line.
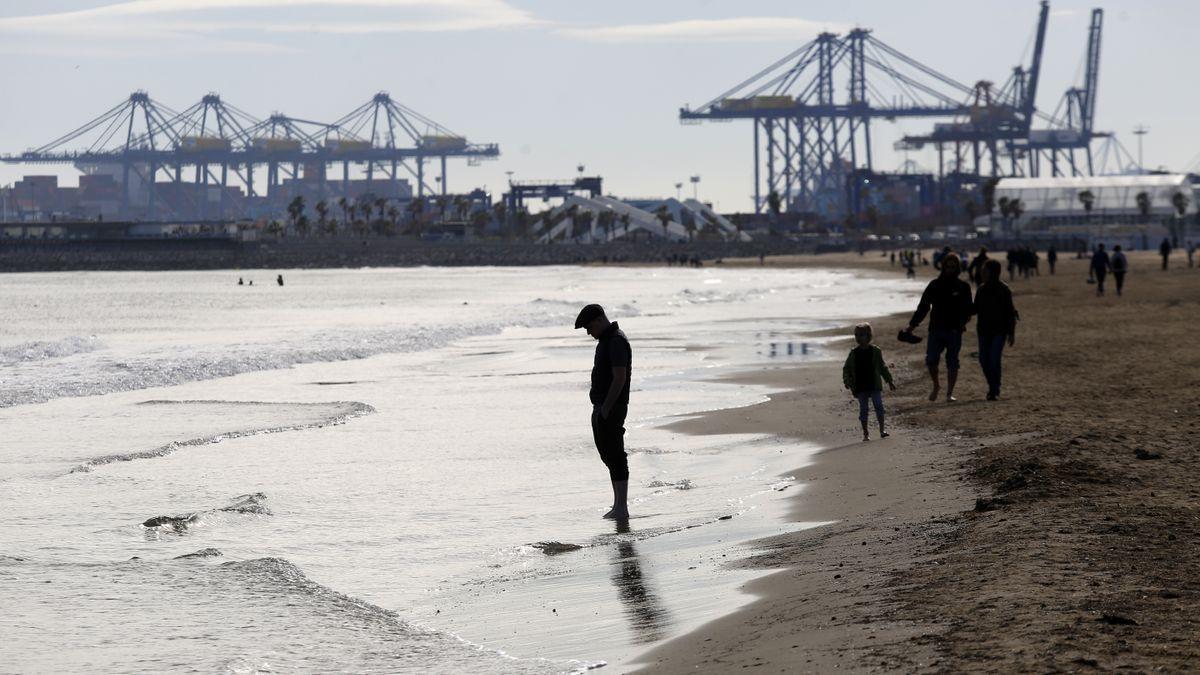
385,470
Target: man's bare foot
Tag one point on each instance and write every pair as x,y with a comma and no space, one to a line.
933,395
617,514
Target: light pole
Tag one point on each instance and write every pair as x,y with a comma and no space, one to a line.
695,187
678,193
1140,131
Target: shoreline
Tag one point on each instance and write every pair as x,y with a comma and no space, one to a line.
816,607
1076,554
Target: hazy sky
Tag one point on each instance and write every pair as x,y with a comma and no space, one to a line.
559,83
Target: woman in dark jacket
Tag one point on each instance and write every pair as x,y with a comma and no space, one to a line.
996,323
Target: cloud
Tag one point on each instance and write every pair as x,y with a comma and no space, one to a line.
750,28
171,20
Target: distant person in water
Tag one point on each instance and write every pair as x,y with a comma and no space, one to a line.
947,301
1119,266
1100,267
241,282
995,322
610,400
279,279
864,374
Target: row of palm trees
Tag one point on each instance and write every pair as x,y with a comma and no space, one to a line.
372,214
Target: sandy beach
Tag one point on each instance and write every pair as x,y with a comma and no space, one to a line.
1054,530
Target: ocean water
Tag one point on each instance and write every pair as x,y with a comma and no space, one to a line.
357,471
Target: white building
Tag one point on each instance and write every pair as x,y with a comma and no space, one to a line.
1117,196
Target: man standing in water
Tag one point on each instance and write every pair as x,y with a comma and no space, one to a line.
610,400
950,300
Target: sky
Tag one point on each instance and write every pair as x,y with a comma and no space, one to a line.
561,83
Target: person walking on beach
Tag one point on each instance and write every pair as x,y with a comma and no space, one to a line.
610,400
1100,267
864,374
995,323
947,301
975,269
1191,253
1164,249
1119,266
1051,258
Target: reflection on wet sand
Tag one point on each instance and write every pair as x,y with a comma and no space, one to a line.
648,618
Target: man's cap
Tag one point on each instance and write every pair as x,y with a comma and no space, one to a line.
587,314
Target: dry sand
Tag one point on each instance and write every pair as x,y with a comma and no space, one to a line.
1054,530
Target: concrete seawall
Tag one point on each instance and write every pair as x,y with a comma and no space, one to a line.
40,256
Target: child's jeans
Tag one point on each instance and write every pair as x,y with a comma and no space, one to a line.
875,397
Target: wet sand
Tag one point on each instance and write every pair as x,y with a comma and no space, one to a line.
1055,530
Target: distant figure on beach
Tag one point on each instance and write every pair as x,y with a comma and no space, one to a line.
279,279
1164,249
910,271
241,282
1051,258
610,400
1119,266
1191,253
995,323
949,298
251,283
1100,267
864,374
975,269
893,258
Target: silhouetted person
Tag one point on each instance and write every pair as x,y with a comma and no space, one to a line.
1051,258
1119,266
893,258
1100,267
1191,254
610,400
949,298
241,282
864,374
1164,249
975,269
995,323
279,279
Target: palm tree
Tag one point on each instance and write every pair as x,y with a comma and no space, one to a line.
583,220
738,224
479,220
322,215
274,228
689,224
522,219
625,223
1143,205
500,212
774,204
381,206
345,206
442,203
1180,202
1088,200
303,226
416,208
393,215
988,192
664,217
295,209
460,206
606,220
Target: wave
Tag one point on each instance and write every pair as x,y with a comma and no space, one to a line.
340,413
108,372
56,349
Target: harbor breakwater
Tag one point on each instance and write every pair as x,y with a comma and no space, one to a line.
167,254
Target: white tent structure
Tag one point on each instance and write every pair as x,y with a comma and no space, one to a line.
1111,195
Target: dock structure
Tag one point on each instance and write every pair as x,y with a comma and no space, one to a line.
813,110
206,162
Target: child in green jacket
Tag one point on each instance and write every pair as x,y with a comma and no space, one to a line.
864,375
